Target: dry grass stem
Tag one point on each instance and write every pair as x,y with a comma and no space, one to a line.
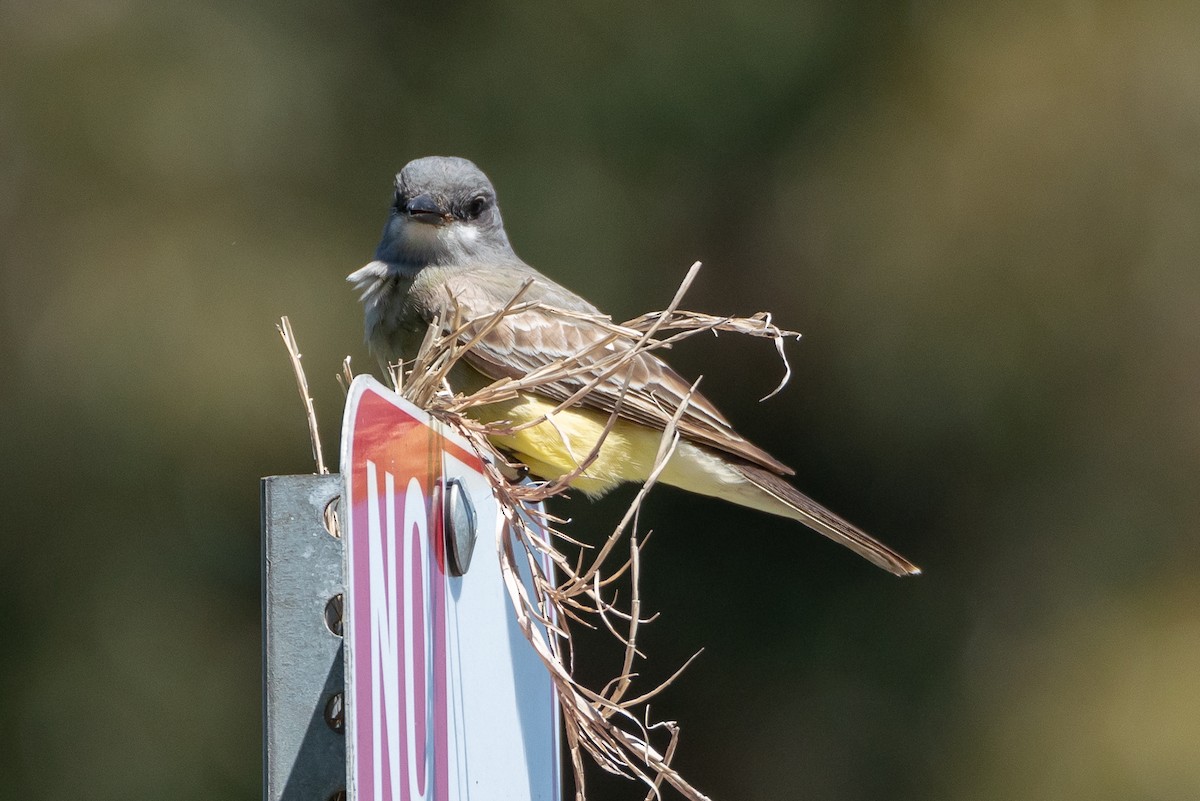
346,377
293,349
601,723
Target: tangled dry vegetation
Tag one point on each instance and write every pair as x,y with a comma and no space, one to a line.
610,723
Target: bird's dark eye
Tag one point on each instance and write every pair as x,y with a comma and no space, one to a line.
399,201
476,206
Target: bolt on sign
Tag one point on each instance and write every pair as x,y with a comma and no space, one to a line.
445,698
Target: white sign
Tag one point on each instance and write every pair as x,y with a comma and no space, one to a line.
445,698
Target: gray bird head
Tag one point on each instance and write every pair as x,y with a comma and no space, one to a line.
443,212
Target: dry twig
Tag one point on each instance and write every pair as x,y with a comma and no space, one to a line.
293,348
603,723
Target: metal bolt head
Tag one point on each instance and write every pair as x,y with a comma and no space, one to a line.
459,526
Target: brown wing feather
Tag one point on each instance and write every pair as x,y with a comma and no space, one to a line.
820,519
526,341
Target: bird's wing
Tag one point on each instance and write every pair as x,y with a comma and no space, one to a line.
528,340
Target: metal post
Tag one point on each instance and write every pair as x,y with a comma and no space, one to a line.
304,748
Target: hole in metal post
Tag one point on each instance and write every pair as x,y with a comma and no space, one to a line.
340,795
335,713
333,614
332,522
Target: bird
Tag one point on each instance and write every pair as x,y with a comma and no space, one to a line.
444,250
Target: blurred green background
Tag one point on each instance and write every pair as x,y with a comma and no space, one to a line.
985,217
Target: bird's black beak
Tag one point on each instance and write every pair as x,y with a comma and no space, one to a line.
424,208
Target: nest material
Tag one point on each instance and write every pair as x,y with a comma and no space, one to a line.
612,723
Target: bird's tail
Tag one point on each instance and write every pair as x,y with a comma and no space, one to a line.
819,519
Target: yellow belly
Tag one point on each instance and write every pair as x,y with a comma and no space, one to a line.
551,450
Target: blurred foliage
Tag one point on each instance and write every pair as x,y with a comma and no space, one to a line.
984,217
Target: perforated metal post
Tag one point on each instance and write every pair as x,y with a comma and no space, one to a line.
304,748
